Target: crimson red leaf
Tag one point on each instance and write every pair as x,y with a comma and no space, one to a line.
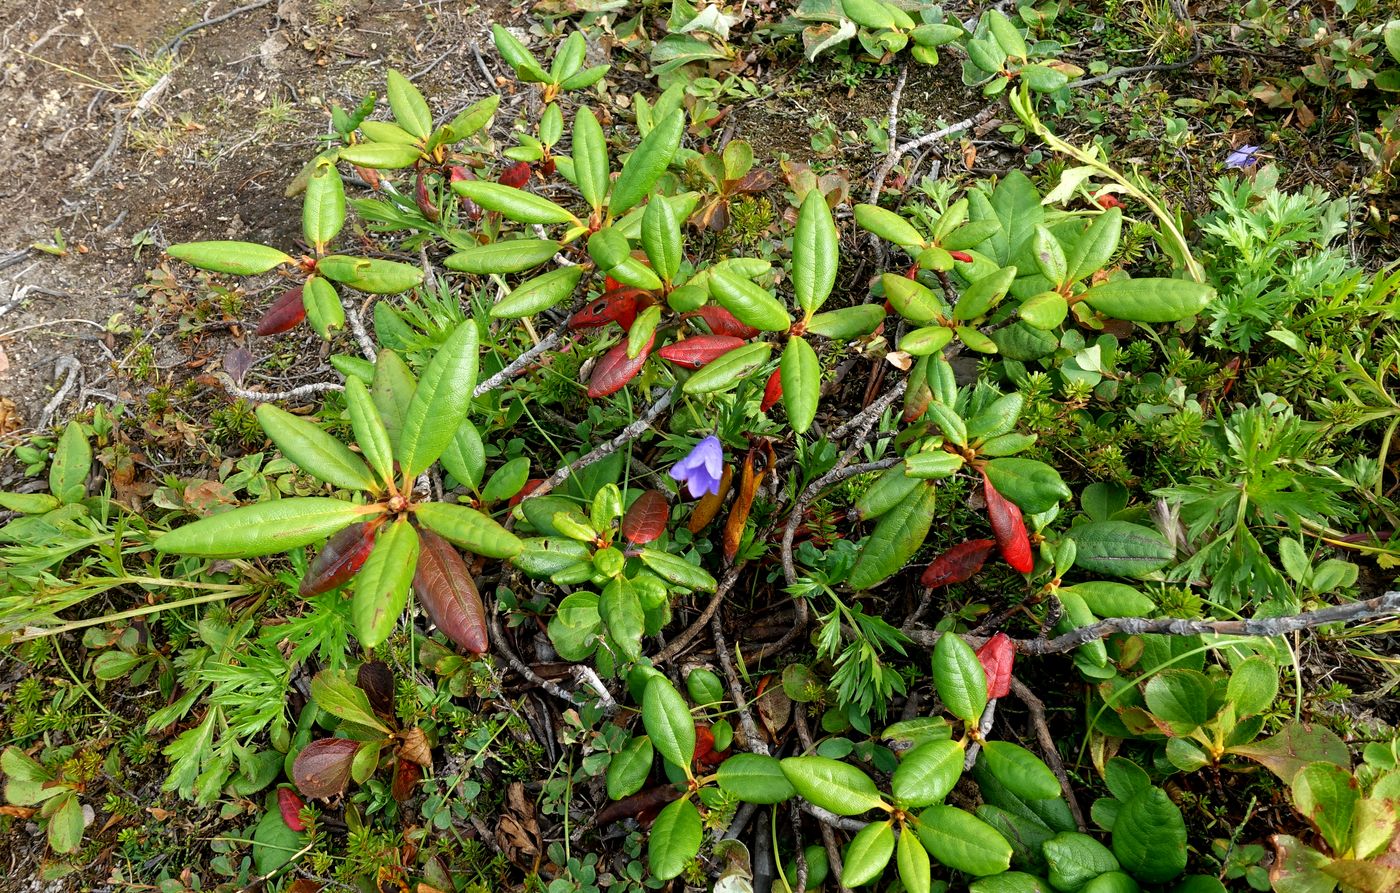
340,559
615,369
285,313
290,805
617,305
424,199
646,518
997,656
722,322
322,768
961,257
1008,528
959,564
445,589
517,175
530,486
773,391
697,350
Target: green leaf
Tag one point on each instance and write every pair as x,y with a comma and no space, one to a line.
1006,34
802,383
983,294
1149,836
621,610
509,256
888,225
1295,746
927,773
468,528
915,871
675,839
1149,300
1049,256
815,253
959,678
377,277
66,823
1253,686
408,105
751,304
538,294
1032,485
1180,698
1022,772
264,528
381,586
913,301
1011,882
27,783
662,240
647,163
868,853
473,118
370,433
1096,245
28,503
1042,78
727,370
514,204
1120,548
392,390
323,208
1045,311
72,462
754,778
569,57
238,258
896,538
335,692
847,323
323,308
381,156
440,402
576,626
628,770
507,480
1075,859
517,56
668,722
590,153
313,450
962,841
274,844
1105,599
832,785
1328,795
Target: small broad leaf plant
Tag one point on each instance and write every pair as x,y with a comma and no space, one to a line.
384,538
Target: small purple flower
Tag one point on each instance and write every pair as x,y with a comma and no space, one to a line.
701,470
1244,156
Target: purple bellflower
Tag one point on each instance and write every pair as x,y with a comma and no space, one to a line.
1244,156
701,470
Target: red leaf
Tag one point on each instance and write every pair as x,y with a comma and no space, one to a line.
646,518
407,774
285,313
722,322
530,486
615,369
340,559
322,769
424,199
1008,528
961,257
290,805
1108,200
516,175
997,656
773,391
697,350
704,743
959,564
618,305
445,589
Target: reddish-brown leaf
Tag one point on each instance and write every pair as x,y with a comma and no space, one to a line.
445,589
959,564
917,399
290,805
739,512
424,198
997,657
706,757
773,391
722,322
284,314
617,305
754,181
456,174
322,769
637,806
340,559
708,507
377,682
407,774
697,350
517,175
1008,528
615,369
646,518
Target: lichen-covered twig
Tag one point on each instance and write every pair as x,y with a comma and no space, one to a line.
626,436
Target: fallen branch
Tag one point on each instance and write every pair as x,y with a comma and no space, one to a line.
499,640
897,153
755,742
628,434
306,390
679,643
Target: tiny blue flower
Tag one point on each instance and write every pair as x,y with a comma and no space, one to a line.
1244,156
701,470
